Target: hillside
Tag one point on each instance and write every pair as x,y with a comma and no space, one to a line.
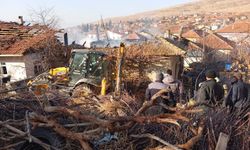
198,6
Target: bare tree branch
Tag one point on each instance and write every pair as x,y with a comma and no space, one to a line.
44,16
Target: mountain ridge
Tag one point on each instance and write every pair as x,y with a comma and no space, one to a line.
197,6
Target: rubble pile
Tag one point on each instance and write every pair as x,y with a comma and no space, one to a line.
107,122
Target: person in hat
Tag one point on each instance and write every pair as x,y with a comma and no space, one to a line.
176,87
238,93
155,87
210,91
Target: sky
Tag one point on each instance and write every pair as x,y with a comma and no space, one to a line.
76,12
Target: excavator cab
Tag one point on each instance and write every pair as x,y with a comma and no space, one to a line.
88,68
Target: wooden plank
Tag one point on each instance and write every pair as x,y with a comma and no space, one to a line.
222,142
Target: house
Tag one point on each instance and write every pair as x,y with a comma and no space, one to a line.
134,37
194,54
236,31
175,32
218,46
114,36
23,50
193,35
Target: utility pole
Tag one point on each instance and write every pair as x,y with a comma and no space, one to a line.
203,44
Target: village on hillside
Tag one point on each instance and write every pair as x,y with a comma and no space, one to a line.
164,83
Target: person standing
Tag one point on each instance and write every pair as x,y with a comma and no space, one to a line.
154,88
176,87
210,91
238,93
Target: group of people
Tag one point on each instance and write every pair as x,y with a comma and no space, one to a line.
210,92
165,81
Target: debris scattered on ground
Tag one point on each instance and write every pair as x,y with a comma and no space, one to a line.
109,123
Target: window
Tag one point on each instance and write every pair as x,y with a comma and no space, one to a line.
78,63
3,68
38,69
95,64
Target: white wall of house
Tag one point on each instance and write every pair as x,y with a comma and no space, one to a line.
236,37
20,67
114,36
15,67
16,70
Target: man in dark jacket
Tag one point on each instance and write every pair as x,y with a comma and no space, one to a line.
210,91
238,93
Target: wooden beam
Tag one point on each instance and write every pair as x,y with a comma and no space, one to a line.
222,142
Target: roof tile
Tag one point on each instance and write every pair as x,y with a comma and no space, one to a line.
17,39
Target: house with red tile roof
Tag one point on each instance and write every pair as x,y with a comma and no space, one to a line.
193,35
21,49
218,45
177,30
132,36
236,31
194,54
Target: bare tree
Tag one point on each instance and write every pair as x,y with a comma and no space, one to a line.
44,16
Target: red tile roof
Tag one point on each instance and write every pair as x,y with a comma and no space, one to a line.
175,29
193,34
133,36
194,46
238,27
18,39
214,41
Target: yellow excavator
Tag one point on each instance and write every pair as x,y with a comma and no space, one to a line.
88,71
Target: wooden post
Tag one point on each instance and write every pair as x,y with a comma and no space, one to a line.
176,66
222,142
120,57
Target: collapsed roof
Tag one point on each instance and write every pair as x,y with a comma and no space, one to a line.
16,39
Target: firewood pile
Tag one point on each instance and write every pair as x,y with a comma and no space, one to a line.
108,122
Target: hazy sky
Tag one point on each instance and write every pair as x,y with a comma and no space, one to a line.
75,12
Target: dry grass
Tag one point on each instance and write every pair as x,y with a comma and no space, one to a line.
237,6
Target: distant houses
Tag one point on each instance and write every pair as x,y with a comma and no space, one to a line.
236,31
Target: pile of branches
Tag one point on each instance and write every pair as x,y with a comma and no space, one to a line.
94,122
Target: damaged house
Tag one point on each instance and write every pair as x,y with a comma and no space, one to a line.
26,51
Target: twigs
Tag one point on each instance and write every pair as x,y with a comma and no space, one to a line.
78,115
157,139
12,145
79,126
150,103
36,140
190,143
63,131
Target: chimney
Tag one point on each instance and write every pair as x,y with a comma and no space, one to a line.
21,20
168,34
65,36
180,32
